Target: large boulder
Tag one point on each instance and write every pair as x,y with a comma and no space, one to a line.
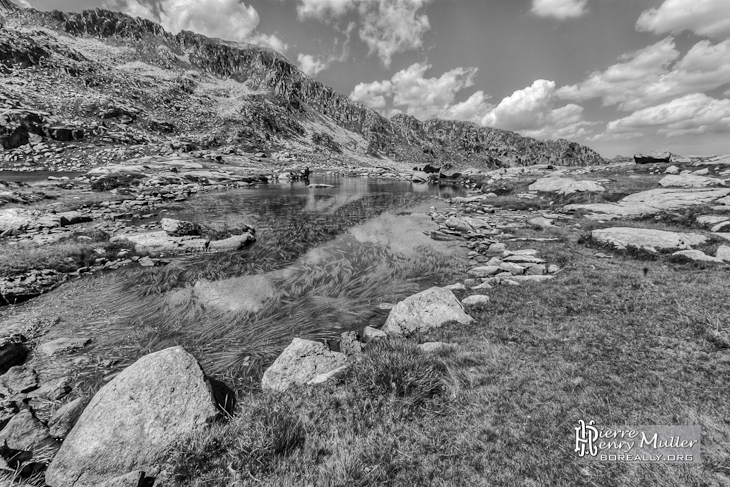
13,351
647,239
565,186
132,422
652,157
303,362
431,308
17,125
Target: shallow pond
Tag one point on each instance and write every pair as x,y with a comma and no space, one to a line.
326,261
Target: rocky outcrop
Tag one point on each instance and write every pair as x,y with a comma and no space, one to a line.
285,98
431,308
303,362
131,423
652,157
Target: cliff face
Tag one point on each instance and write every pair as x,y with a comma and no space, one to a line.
295,101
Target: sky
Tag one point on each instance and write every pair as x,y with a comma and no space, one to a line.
620,76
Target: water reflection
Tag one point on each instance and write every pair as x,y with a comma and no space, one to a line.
324,260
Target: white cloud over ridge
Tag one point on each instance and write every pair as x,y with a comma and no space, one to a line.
310,65
709,18
530,111
655,74
559,9
225,19
387,27
424,98
695,114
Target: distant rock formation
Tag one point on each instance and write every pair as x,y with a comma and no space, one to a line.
284,102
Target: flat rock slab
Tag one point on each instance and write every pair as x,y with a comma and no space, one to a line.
24,432
132,422
565,186
689,181
303,362
648,239
18,380
62,345
652,202
431,308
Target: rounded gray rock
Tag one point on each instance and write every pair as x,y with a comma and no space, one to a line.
132,421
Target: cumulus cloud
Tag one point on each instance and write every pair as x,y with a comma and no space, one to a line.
387,27
424,98
695,113
373,94
322,9
392,26
653,75
225,19
310,65
531,112
559,9
710,18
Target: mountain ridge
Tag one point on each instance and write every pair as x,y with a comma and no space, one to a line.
284,105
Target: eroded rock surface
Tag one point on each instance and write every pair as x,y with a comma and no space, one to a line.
431,308
303,362
132,421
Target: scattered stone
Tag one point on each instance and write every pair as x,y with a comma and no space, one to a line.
138,416
697,255
65,418
484,271
320,186
536,270
302,362
458,225
513,269
540,222
524,259
349,343
146,262
723,253
431,308
62,345
496,249
370,333
179,228
18,380
476,301
647,239
53,390
456,287
24,432
671,170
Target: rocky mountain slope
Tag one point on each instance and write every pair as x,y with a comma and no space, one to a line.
101,77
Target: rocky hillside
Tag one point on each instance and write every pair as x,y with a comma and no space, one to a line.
101,76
